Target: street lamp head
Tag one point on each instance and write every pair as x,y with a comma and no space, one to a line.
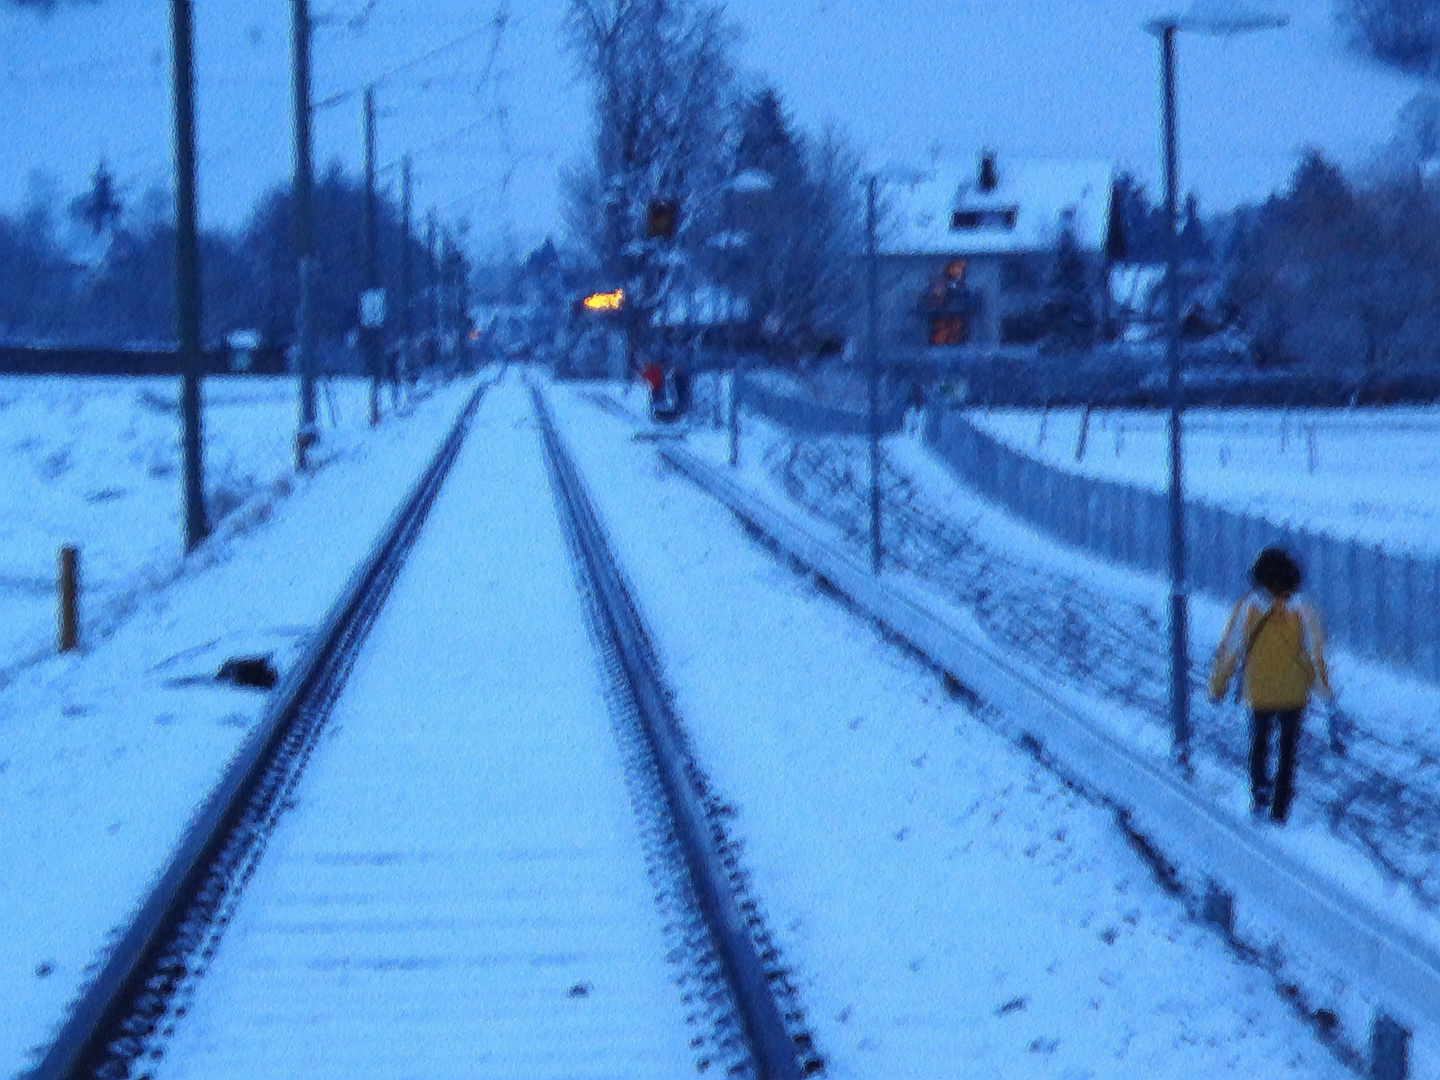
1221,18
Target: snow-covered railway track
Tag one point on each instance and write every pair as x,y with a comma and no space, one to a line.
480,874
748,985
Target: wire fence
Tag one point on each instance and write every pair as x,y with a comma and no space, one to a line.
1381,796
1380,605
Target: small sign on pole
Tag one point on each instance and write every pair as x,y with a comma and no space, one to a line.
372,309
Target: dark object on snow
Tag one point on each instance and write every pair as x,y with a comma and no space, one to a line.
672,401
253,671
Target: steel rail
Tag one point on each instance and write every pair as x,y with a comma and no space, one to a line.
779,1052
133,971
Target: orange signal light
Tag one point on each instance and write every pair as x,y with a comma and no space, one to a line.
604,301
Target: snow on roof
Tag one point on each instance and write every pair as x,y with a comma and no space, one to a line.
1031,199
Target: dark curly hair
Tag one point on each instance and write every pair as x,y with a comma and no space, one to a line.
1276,572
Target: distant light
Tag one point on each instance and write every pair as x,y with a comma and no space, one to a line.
604,301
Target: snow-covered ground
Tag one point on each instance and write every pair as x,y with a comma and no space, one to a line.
943,900
950,908
104,753
1364,474
1365,820
95,463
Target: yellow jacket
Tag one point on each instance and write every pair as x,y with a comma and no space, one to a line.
1286,652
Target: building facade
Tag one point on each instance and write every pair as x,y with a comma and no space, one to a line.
966,253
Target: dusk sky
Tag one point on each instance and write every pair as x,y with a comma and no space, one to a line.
905,82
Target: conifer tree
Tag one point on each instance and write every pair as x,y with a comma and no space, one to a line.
1402,34
1068,313
99,208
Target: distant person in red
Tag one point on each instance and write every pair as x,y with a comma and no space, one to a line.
654,378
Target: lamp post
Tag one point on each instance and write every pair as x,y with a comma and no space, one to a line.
1216,18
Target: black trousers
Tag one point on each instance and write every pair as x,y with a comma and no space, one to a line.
1261,723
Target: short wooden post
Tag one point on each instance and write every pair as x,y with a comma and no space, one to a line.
69,598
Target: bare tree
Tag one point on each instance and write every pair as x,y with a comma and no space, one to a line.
659,69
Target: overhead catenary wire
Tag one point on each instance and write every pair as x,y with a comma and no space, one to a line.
409,65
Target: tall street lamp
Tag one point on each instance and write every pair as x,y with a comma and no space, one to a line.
1222,18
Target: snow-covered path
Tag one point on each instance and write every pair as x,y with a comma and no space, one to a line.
461,888
949,907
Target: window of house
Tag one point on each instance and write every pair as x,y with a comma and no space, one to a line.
947,329
1002,218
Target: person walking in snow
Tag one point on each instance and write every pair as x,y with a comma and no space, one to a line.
654,379
1275,641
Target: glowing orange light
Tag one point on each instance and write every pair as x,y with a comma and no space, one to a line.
605,301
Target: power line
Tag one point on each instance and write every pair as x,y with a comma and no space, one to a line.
384,77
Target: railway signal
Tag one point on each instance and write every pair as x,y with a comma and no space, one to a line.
661,218
600,302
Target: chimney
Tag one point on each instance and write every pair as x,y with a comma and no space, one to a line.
987,181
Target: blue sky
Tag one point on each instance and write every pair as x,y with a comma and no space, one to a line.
1068,78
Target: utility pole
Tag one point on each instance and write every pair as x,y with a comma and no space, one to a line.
873,357
304,230
1179,642
432,357
442,303
187,271
371,319
406,279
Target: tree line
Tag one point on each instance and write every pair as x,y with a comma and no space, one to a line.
99,269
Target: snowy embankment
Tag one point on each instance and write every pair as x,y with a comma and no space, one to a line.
104,753
1096,629
1362,474
948,906
1363,820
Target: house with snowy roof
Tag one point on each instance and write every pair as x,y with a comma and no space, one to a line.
966,255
